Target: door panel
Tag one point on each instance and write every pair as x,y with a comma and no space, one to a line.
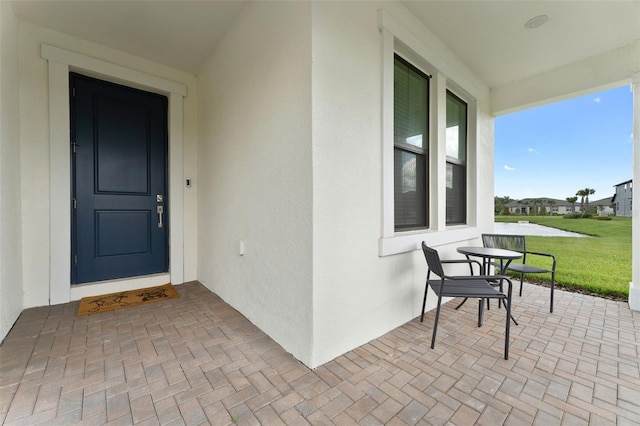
119,168
122,146
122,232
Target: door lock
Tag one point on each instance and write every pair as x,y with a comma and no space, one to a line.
160,210
159,198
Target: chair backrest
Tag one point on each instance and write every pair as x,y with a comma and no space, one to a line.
505,241
433,260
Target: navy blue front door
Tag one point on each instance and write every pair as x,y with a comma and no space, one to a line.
119,141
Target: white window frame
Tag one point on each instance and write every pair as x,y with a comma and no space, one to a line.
395,39
470,143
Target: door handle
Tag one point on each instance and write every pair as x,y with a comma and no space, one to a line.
160,210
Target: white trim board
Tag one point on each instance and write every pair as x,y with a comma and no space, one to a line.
62,61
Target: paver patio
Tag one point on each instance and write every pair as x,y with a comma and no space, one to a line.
196,360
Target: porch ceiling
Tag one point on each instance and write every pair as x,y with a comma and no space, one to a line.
177,33
489,36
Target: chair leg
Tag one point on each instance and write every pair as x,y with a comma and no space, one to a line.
500,302
435,324
424,300
521,280
461,303
553,282
481,312
507,328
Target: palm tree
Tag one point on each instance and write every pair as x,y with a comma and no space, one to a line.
584,194
588,191
581,193
572,201
551,204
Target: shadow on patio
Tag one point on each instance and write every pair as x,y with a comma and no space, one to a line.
196,360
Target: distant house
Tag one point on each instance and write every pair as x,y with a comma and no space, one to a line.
555,206
622,198
528,206
604,206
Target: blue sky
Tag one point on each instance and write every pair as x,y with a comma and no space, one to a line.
556,149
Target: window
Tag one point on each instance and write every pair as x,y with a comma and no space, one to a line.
429,192
456,143
410,146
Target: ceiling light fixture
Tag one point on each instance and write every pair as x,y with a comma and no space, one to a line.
536,21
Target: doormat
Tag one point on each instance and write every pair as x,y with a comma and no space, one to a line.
125,299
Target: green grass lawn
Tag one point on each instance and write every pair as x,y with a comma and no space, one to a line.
601,264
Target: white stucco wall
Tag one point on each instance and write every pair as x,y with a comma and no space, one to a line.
11,289
35,162
255,180
359,295
290,164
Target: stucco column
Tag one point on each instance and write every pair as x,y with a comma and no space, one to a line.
634,286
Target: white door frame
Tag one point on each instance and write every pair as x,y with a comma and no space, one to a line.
62,61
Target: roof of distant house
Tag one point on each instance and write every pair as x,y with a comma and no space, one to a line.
624,183
603,202
556,202
529,201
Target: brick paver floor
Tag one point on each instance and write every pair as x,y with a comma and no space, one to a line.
195,360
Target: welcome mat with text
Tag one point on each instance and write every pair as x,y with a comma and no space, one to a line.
124,299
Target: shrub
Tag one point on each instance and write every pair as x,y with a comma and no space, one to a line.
603,217
577,216
572,216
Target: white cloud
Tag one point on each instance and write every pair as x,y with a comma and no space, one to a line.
509,168
532,150
597,100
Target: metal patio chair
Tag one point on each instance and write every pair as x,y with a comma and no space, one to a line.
468,286
519,243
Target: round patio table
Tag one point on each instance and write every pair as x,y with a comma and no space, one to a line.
488,254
